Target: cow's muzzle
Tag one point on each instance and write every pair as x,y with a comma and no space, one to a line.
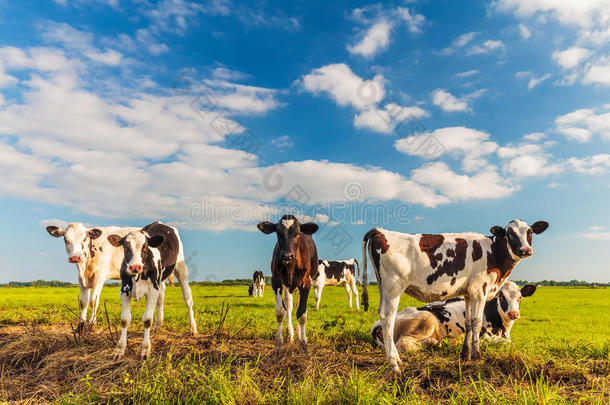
287,257
74,259
513,315
135,268
526,251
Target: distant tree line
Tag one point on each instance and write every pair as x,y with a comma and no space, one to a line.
571,283
38,283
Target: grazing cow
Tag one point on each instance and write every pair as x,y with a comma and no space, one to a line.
96,261
151,255
258,284
294,258
439,267
417,328
336,272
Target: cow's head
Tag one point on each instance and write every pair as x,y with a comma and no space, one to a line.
76,238
135,245
288,231
509,300
518,236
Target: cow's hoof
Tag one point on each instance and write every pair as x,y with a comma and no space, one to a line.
396,369
118,355
145,355
194,332
304,347
475,356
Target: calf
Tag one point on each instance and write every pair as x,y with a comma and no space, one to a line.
417,328
294,258
258,284
439,267
336,272
96,261
152,254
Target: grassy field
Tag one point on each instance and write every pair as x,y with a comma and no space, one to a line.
560,352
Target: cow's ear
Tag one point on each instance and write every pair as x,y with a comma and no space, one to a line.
497,231
309,228
266,227
55,231
539,227
94,233
155,241
528,290
115,240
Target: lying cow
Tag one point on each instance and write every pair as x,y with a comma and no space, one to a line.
439,267
152,254
417,328
258,284
96,261
294,258
336,272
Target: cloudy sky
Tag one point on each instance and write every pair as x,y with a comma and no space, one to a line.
418,116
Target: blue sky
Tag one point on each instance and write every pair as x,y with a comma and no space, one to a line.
214,115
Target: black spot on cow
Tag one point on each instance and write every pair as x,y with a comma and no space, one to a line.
334,269
147,323
378,244
451,267
453,280
460,326
499,260
429,244
437,310
492,314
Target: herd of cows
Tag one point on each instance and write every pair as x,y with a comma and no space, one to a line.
463,276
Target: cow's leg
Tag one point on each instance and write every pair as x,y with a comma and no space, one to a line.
182,274
387,313
354,289
151,302
477,307
317,292
160,301
96,292
280,314
83,303
302,315
125,321
288,305
348,290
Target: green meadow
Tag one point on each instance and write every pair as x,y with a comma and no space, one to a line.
559,353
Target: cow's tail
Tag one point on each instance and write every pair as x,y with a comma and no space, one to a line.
358,266
365,279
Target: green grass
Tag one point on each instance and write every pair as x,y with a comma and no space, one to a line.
560,352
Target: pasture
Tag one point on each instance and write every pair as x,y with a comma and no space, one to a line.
560,352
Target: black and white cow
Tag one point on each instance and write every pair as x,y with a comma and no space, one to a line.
438,267
417,328
336,272
152,254
96,261
294,258
258,284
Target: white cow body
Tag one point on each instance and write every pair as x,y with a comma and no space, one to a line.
336,272
439,267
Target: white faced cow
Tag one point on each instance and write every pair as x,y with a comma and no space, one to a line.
152,254
439,267
95,258
258,284
294,257
336,272
417,328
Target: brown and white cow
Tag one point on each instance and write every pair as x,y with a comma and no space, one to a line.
294,257
96,261
336,272
438,267
152,254
258,284
419,328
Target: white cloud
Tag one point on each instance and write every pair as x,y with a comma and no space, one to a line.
345,87
449,103
531,165
535,81
596,235
487,184
283,142
581,125
385,120
459,42
597,228
467,73
534,136
598,72
524,32
414,21
486,47
376,39
596,164
571,57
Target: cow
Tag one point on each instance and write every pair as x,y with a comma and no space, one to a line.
417,328
96,261
336,272
258,284
151,255
294,258
439,267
